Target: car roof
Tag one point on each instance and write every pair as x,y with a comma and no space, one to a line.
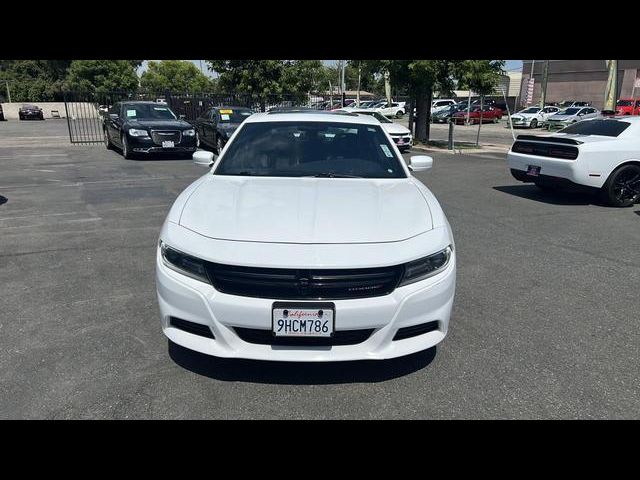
341,117
139,102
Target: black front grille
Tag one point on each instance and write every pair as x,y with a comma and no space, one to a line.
159,136
340,337
415,330
297,284
191,327
565,152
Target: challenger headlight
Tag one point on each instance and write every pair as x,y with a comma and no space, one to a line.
185,264
426,267
134,132
189,133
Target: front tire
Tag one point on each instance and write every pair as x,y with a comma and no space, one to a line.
107,140
126,150
399,114
534,123
622,188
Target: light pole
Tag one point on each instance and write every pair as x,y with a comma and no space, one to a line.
543,85
610,93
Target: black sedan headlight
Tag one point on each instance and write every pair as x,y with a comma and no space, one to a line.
182,263
426,267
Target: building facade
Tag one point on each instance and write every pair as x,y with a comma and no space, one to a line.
580,80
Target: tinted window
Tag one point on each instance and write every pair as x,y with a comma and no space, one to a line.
624,103
302,149
230,115
607,128
138,111
571,111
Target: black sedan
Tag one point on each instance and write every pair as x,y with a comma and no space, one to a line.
217,124
28,112
147,127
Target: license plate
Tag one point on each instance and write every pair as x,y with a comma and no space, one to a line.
533,170
168,144
303,319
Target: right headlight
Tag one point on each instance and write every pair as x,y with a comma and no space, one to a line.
426,267
135,132
182,263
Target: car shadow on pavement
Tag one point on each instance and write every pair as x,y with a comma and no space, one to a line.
637,212
299,373
559,197
3,200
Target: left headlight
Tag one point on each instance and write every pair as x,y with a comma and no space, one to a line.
189,133
134,132
185,264
426,267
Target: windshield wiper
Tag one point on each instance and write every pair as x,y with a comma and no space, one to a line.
333,175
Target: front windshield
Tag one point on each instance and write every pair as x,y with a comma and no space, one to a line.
381,118
146,111
624,103
228,115
571,111
565,103
311,149
531,110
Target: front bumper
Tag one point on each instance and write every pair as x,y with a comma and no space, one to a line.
147,145
430,300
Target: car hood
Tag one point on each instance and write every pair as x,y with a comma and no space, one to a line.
164,124
395,128
306,210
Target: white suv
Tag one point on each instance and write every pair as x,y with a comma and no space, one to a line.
309,239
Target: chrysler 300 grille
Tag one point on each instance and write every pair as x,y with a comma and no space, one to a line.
281,283
159,136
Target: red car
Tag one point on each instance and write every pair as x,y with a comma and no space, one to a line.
489,114
625,106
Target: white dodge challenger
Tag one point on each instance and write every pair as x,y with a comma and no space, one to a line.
308,240
601,154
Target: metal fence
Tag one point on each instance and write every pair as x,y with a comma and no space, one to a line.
85,110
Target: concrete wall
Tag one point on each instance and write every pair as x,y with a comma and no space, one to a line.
76,109
584,80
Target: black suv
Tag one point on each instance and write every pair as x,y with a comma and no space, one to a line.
217,124
147,127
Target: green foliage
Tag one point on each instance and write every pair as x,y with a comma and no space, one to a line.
33,80
480,76
176,76
101,76
271,79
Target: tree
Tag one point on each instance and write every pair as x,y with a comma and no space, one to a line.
175,76
481,77
419,78
102,76
268,79
33,80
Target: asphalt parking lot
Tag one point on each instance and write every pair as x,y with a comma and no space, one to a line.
544,325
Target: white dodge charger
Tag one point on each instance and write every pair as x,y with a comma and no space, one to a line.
308,240
601,154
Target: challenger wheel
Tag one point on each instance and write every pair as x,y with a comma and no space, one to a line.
622,188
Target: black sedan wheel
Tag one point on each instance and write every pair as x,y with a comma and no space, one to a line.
107,140
622,188
126,151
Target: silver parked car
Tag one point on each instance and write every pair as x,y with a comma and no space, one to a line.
571,115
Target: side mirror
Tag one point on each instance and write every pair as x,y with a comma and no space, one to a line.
420,163
204,158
